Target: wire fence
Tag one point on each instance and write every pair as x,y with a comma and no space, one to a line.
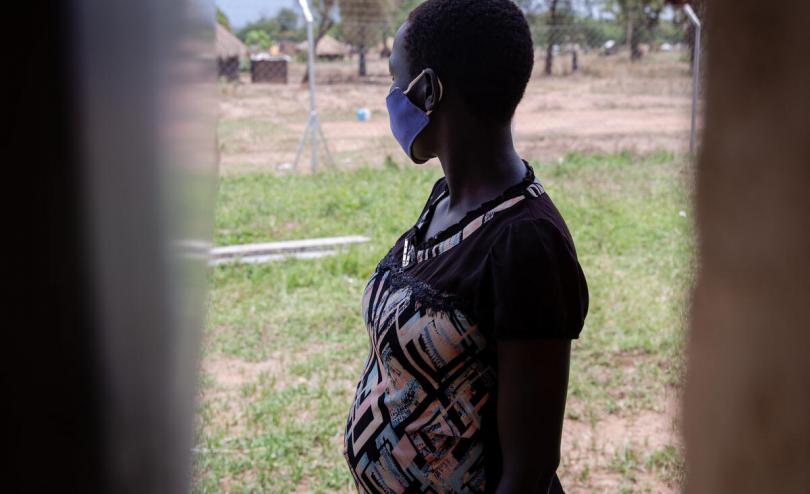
597,87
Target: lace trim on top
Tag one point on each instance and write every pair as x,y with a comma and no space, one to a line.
427,213
422,291
410,255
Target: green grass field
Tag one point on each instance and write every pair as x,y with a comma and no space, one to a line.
285,343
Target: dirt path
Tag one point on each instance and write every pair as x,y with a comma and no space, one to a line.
609,108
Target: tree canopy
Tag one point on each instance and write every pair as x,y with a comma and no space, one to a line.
258,39
283,25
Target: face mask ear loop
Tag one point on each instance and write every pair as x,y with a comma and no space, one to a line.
441,93
415,79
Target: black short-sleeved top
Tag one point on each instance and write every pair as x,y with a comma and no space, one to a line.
423,417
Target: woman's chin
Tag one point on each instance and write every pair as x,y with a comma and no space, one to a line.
418,160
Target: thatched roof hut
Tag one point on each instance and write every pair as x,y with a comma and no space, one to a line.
229,51
328,47
228,45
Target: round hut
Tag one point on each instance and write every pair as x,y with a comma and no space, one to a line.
229,52
328,48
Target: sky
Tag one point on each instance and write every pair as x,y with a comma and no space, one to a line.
240,12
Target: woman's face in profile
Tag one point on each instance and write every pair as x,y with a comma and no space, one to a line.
402,74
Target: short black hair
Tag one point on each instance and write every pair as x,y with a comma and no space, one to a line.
483,48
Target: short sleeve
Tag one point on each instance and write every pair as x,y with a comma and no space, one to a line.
532,285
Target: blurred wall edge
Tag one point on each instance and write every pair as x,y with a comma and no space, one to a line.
747,402
109,192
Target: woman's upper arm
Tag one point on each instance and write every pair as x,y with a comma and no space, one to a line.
532,301
532,387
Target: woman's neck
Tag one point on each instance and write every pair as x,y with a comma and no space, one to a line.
479,163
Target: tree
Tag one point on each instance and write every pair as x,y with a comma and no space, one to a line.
399,14
559,17
284,25
364,21
553,22
287,20
628,14
639,17
258,39
223,20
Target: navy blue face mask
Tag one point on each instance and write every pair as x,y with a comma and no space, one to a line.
407,119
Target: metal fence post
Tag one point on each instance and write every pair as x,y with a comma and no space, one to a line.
695,75
313,128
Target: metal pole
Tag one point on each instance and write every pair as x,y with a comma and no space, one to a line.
301,145
313,112
313,128
326,148
314,135
695,74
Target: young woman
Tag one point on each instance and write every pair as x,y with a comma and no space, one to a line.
472,312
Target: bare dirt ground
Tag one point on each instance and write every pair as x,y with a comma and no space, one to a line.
610,105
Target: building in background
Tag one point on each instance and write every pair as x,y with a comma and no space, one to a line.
230,51
328,48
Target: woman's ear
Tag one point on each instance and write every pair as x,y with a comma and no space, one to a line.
433,90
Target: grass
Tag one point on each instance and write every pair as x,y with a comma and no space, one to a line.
285,344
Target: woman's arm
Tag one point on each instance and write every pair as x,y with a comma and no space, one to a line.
532,385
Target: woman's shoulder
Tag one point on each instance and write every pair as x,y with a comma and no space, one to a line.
532,269
535,224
